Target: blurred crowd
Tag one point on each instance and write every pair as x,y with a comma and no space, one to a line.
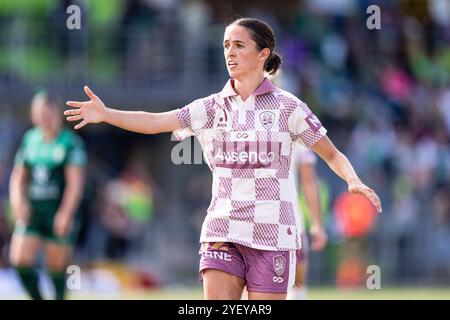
383,95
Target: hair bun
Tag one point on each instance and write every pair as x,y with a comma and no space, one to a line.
273,63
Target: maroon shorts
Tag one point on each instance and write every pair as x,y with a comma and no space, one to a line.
262,270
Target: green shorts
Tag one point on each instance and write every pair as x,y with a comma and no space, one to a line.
40,224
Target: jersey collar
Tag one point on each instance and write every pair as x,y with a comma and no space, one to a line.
228,91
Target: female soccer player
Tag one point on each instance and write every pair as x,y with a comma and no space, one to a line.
45,190
248,132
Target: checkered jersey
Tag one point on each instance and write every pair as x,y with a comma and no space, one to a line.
249,147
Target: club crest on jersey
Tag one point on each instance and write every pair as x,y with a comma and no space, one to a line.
267,119
279,263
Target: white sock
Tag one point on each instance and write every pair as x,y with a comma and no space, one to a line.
296,293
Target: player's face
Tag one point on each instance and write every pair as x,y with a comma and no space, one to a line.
241,54
45,116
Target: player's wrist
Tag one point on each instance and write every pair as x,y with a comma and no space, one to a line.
105,114
354,180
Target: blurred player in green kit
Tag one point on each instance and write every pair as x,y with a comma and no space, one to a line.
46,187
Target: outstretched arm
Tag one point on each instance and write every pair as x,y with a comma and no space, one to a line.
339,163
95,111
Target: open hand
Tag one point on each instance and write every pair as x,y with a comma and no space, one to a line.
93,111
360,188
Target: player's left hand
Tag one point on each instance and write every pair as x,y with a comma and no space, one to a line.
358,187
62,224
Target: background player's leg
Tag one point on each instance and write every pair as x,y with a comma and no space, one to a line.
57,258
220,285
298,291
300,273
22,256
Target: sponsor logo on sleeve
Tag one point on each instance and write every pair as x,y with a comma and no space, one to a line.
313,122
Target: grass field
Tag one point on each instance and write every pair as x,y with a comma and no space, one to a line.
313,294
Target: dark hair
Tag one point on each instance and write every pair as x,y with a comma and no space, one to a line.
263,35
49,98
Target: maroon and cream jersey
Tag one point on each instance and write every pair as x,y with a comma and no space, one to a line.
249,147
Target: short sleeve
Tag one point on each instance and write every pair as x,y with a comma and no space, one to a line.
192,117
77,153
19,158
305,127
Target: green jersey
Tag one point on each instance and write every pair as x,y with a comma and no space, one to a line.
46,161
